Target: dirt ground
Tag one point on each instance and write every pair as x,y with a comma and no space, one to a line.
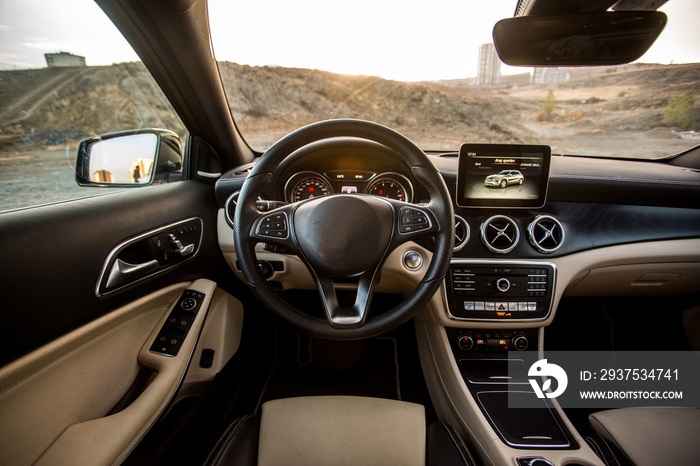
40,176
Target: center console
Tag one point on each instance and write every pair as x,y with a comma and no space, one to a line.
504,292
484,367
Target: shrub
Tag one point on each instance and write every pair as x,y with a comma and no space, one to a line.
680,112
547,107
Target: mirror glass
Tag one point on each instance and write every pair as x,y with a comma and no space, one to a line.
587,39
124,159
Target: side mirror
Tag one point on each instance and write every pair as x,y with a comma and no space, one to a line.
129,159
585,39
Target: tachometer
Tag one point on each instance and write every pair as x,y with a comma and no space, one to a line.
389,188
310,187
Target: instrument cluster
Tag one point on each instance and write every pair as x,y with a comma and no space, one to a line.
309,184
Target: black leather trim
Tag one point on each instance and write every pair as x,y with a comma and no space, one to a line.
238,445
444,446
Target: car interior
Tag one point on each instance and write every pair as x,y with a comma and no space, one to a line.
344,296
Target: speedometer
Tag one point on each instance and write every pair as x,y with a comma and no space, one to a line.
389,188
310,187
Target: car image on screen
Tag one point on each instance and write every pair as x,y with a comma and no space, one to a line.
504,178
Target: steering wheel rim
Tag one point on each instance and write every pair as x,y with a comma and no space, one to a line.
439,209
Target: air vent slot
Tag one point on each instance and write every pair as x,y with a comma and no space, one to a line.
462,233
546,234
500,234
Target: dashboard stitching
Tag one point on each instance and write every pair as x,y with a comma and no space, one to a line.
629,180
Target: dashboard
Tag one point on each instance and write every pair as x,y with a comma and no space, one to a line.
590,203
589,206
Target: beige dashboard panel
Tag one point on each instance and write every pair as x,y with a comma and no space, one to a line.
646,279
55,403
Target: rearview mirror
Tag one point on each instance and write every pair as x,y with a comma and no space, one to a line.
129,158
587,39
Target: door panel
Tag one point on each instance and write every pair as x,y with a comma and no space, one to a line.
76,368
57,404
78,377
52,257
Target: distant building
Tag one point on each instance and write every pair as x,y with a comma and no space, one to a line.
489,72
103,176
549,75
520,79
63,60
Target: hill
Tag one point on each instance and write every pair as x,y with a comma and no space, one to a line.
54,105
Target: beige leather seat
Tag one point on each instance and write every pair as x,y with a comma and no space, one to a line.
650,436
339,430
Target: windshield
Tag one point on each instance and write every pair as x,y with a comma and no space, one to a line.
430,72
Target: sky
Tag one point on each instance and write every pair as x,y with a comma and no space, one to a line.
419,41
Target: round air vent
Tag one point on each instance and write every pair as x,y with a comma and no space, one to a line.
230,208
546,234
462,232
500,234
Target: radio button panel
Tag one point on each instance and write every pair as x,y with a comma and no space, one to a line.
500,291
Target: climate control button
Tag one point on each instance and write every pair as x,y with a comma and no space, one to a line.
465,342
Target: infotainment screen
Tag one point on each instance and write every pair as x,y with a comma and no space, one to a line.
503,175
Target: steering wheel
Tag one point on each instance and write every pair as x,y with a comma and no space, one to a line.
344,236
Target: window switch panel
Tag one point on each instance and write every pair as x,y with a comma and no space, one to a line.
178,323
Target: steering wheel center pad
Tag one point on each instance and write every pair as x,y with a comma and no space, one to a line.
344,235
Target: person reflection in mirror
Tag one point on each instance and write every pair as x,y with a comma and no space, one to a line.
136,174
577,47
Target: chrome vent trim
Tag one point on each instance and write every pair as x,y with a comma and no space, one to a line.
462,233
230,207
546,234
500,234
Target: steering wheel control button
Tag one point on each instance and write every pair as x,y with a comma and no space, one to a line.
274,226
413,220
412,260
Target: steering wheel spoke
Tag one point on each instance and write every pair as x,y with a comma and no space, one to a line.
342,316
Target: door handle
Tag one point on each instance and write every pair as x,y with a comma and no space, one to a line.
123,272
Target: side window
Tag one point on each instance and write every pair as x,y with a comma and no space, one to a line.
66,74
